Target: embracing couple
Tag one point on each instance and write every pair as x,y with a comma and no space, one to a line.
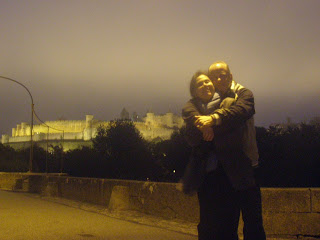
220,129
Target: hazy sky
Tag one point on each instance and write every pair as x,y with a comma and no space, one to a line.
81,57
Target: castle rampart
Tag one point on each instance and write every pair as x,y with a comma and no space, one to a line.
152,126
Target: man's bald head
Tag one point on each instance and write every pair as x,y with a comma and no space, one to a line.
221,77
218,65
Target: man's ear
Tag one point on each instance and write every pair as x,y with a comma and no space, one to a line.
231,77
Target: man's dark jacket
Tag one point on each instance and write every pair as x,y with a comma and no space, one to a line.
234,136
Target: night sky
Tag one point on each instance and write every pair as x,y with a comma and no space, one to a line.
81,57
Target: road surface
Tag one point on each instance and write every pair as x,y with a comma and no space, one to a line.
23,217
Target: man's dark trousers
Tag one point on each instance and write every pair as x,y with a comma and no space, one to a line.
220,206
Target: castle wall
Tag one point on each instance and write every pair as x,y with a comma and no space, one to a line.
153,126
150,133
67,144
19,139
59,126
179,122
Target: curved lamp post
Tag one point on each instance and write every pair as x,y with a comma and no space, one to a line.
31,128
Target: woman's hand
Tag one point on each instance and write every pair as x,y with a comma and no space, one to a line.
202,121
207,133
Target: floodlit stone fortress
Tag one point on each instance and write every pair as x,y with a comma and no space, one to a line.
76,133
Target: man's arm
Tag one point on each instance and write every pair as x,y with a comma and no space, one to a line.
189,112
238,113
226,119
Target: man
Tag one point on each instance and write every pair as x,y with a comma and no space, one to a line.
232,186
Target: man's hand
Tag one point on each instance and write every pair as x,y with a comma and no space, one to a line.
202,121
207,133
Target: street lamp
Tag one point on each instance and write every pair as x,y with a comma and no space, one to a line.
31,128
44,124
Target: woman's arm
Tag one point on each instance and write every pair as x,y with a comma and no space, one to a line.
189,113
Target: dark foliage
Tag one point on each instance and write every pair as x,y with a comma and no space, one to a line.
124,152
11,161
84,162
172,156
289,156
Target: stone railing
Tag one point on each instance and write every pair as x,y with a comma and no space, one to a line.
288,212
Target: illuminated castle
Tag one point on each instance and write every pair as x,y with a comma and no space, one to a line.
77,133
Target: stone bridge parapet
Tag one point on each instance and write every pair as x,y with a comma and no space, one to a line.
291,213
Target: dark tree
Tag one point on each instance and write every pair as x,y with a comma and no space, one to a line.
289,156
172,155
85,162
124,149
11,161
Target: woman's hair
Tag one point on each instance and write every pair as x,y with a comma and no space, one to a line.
193,85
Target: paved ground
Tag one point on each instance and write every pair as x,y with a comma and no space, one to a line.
26,216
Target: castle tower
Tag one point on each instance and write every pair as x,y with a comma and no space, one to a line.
18,130
124,114
150,119
87,132
5,138
135,117
169,119
13,132
23,129
89,119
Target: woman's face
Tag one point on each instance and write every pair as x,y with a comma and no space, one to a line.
204,88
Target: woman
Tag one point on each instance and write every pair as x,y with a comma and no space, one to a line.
203,172
200,138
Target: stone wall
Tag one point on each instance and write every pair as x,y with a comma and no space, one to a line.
288,212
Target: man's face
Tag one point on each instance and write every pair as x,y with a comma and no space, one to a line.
220,77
